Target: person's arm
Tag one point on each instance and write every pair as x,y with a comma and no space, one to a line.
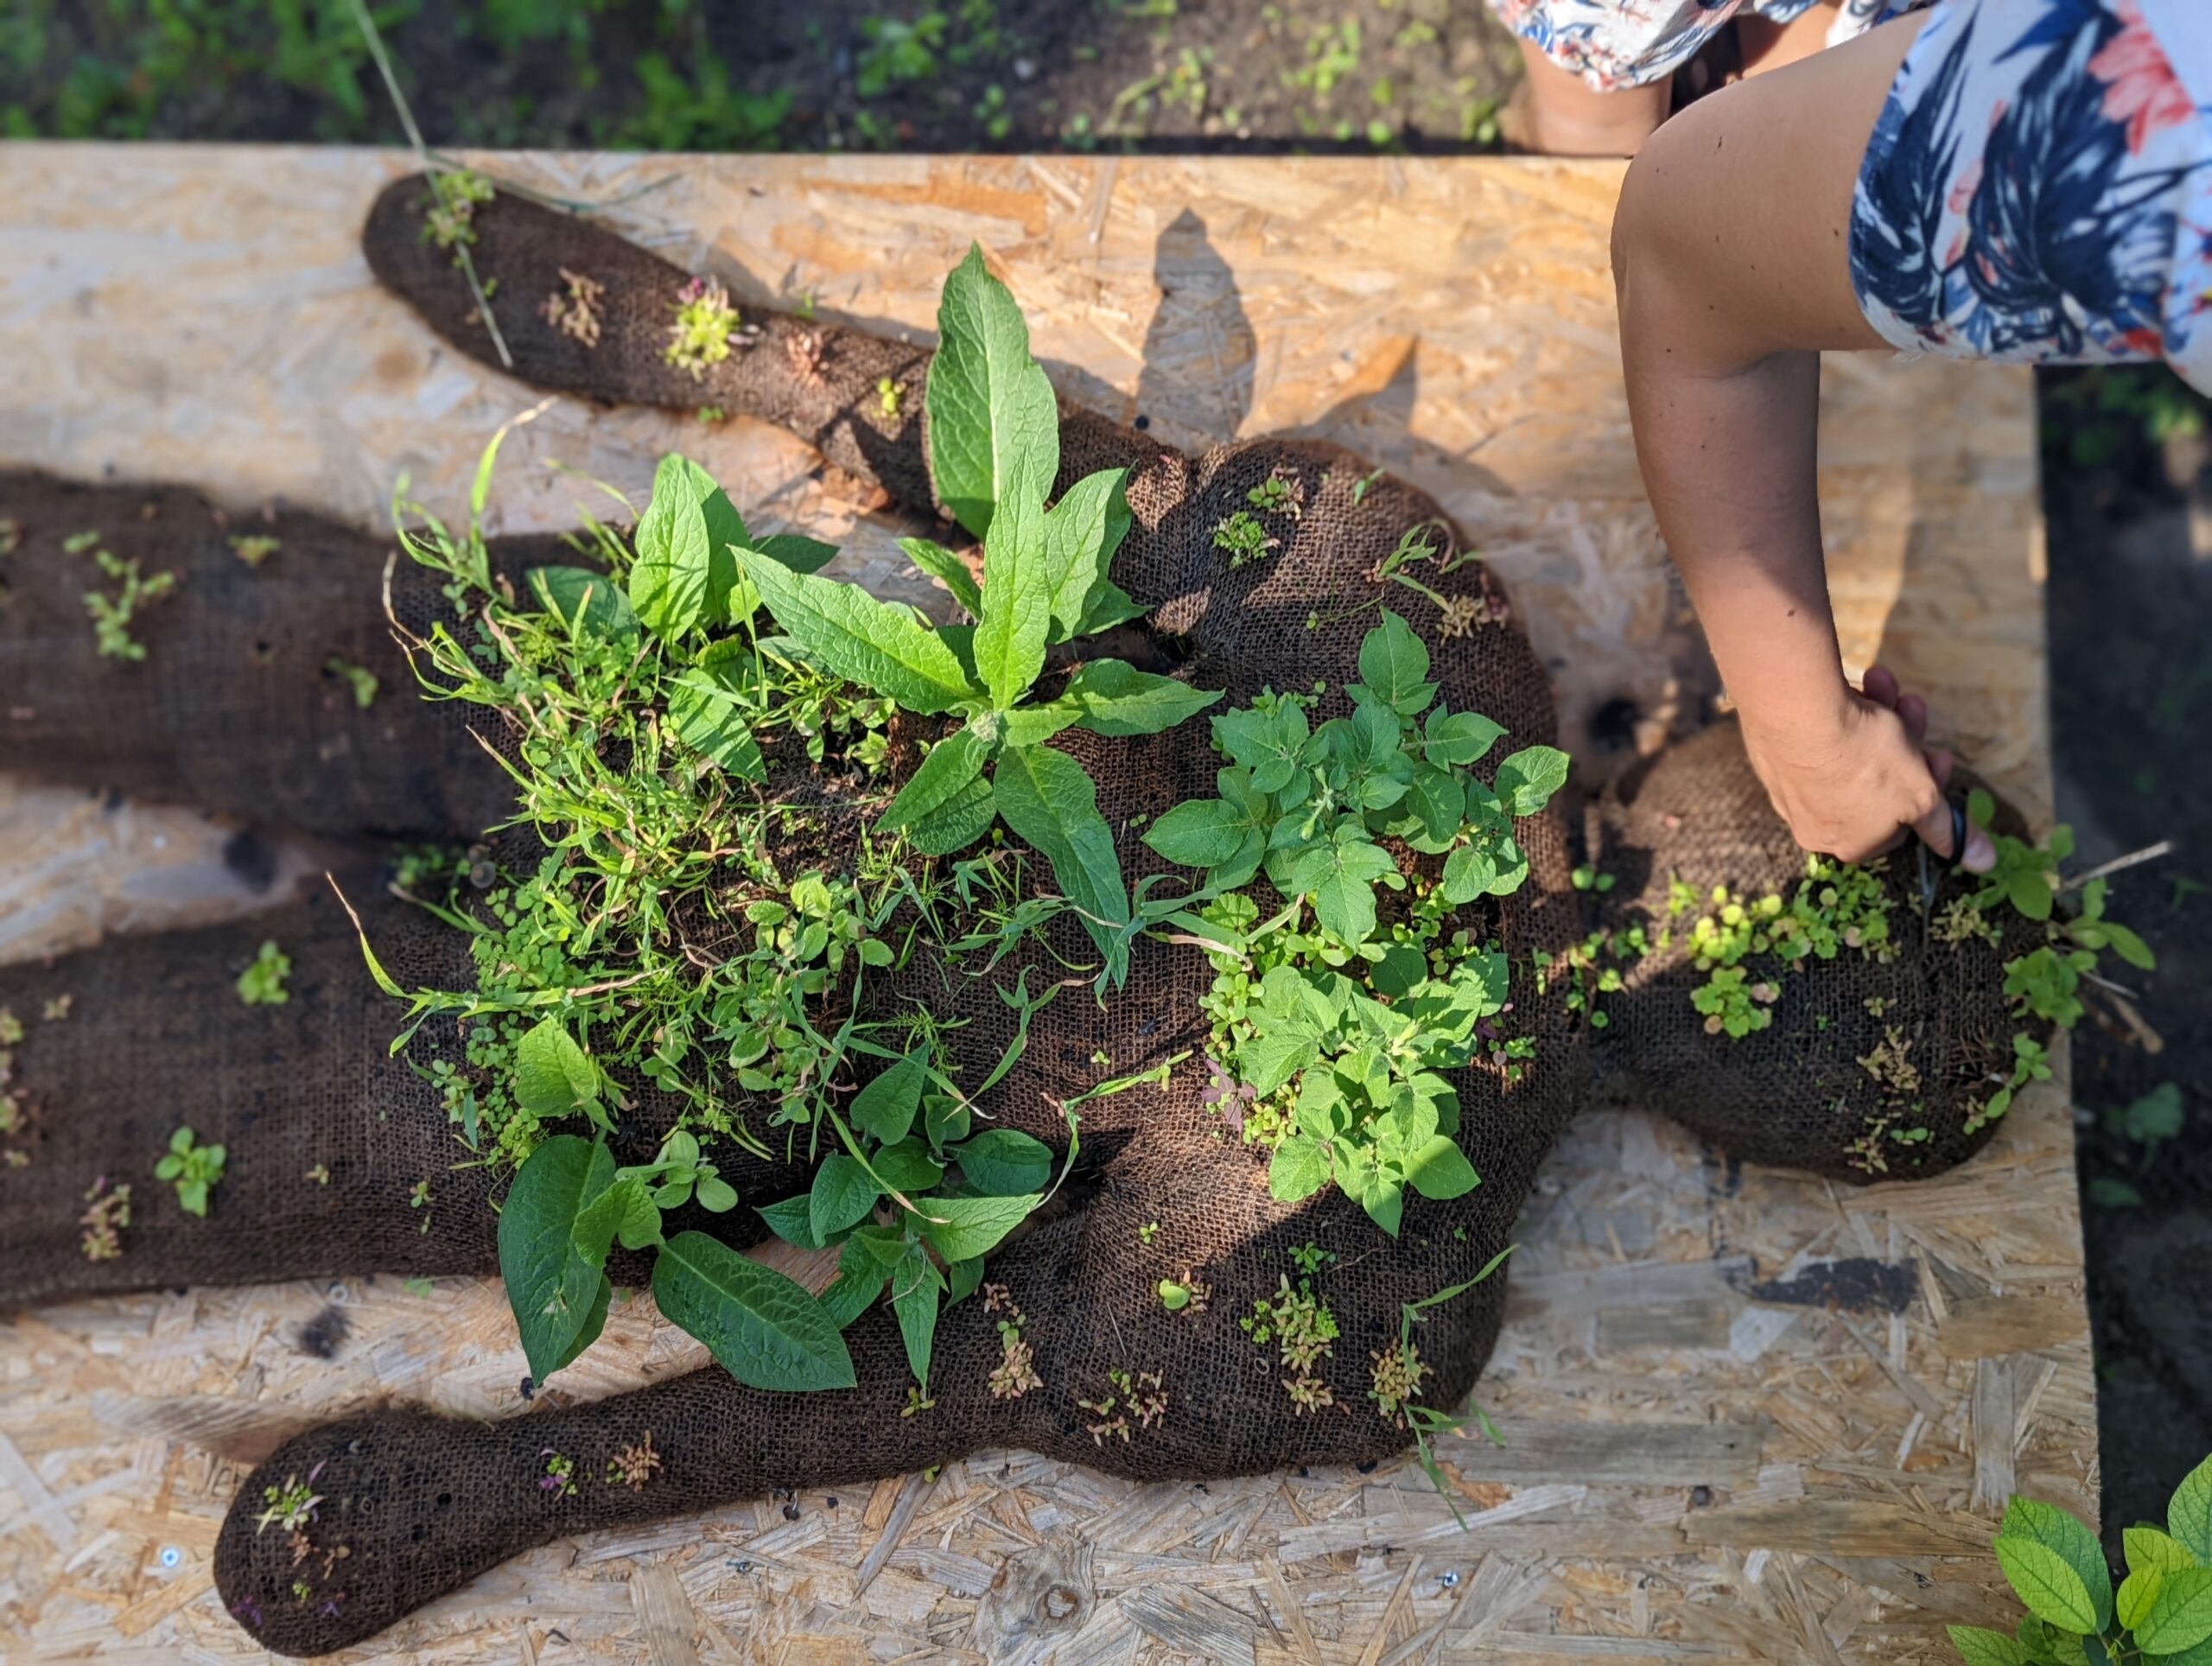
1731,256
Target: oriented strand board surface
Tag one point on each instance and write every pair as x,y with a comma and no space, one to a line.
1750,1418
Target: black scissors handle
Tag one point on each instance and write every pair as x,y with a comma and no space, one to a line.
1958,829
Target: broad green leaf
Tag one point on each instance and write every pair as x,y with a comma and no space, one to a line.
945,1119
884,1109
1272,1058
947,774
717,1196
1472,871
2180,1615
761,1328
1980,1647
961,1280
1439,1169
1457,738
1116,698
843,1195
971,1226
2188,1514
1200,832
2047,1583
2031,1518
1109,606
1385,1203
1053,807
580,597
905,1167
707,712
1527,780
685,569
989,405
553,1074
915,1282
1394,667
801,555
2137,1592
1270,744
792,1220
1340,877
860,1281
2128,946
860,638
1017,593
1081,534
947,569
1430,815
2029,892
553,1246
1004,1162
1299,1169
1032,726
958,822
2145,1547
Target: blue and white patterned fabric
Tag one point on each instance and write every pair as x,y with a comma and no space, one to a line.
1613,44
2038,189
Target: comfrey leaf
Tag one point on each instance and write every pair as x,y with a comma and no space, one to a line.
1081,534
989,405
1017,592
947,569
1053,807
1116,698
866,641
761,1328
948,774
685,569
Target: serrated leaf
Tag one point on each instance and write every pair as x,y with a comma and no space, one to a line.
843,1195
2047,1584
947,774
1004,1162
1979,1647
2147,1547
553,1246
860,638
1053,807
1298,1170
971,1226
2031,1518
1017,596
761,1328
1081,533
884,1108
1273,1056
1113,697
707,713
582,598
947,569
1340,877
1394,666
2188,1514
989,405
1527,780
2180,1615
685,569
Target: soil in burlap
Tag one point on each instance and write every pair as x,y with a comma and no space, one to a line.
420,1503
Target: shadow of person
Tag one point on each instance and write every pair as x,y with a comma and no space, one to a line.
1195,389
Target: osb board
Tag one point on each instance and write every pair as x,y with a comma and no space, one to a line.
1749,1417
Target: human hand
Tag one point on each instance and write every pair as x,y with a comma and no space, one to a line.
1854,781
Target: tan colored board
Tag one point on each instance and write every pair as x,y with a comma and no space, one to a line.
1702,1466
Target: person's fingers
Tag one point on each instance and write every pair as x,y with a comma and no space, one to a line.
1981,851
1933,824
1880,685
1940,765
1914,710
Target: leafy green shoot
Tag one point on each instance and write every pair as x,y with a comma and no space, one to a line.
193,1168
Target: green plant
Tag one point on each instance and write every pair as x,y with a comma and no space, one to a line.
898,52
360,681
2151,1120
1341,1032
2162,1611
705,325
1244,539
262,983
994,452
194,1168
254,549
112,616
449,220
1398,1375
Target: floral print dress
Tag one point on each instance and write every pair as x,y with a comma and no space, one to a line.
1613,44
2038,189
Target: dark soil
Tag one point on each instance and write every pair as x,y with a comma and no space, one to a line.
858,74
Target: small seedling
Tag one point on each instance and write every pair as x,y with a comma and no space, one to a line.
106,1213
712,415
362,682
449,219
195,1170
574,309
253,548
319,1175
2150,1121
634,1464
420,1198
1244,539
262,983
112,615
887,396
56,1010
1589,879
290,1506
705,325
1146,1233
560,1477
